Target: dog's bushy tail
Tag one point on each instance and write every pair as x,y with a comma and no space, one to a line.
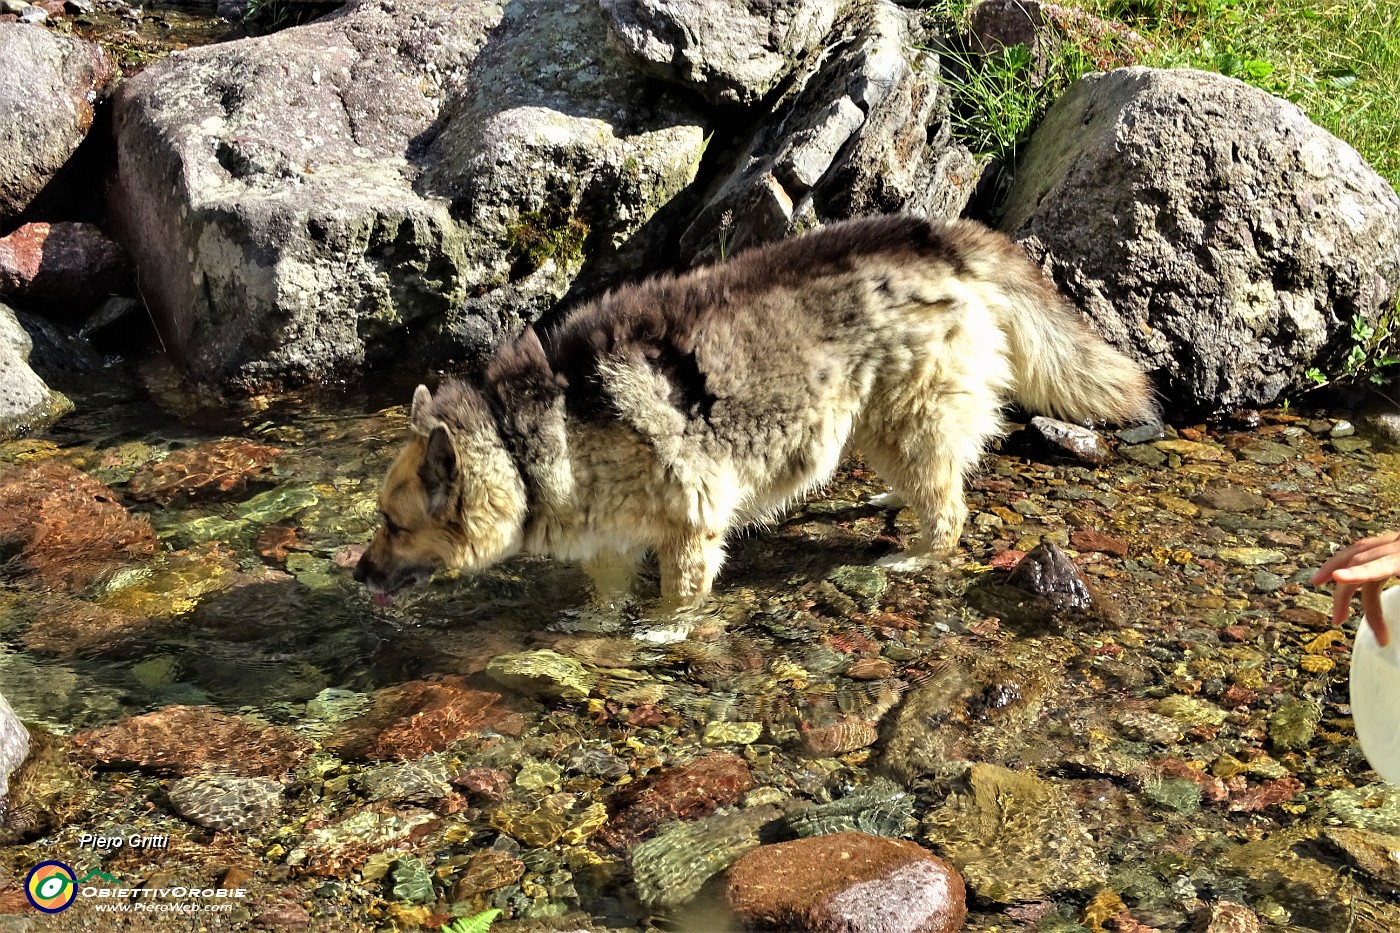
1060,365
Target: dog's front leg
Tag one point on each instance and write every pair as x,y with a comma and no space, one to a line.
611,572
689,563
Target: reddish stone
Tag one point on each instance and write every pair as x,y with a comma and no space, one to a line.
870,669
1213,789
1266,795
684,792
66,627
1236,696
893,622
489,783
646,715
846,735
275,541
188,740
284,915
410,720
68,528
853,643
1306,618
13,901
349,555
1088,539
216,470
486,871
1228,917
67,266
1007,559
847,882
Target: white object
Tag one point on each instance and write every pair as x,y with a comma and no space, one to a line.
1375,691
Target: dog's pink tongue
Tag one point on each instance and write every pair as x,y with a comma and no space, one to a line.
382,599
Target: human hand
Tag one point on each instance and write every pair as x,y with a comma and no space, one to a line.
1363,566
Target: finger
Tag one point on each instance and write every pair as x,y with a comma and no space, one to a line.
1341,602
1374,569
1371,605
1349,554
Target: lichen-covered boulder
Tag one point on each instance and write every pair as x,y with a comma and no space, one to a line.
731,52
1209,229
51,83
404,181
863,129
26,402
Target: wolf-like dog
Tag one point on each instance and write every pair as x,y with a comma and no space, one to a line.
667,413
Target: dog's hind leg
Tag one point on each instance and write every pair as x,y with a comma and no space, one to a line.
923,446
690,560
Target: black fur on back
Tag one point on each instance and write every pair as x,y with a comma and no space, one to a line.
660,318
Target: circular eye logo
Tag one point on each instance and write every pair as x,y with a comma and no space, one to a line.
51,887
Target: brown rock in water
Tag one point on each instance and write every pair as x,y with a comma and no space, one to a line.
67,627
63,267
684,792
486,871
847,883
1376,854
69,529
1227,497
1088,539
490,784
188,740
1228,917
413,719
845,735
215,470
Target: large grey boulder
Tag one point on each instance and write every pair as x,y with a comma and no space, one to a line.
731,51
26,402
395,180
1208,228
863,129
14,747
51,83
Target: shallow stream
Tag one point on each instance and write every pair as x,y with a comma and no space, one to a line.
176,601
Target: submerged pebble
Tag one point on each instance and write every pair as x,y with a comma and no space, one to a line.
227,803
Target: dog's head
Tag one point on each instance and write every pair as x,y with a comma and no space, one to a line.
453,498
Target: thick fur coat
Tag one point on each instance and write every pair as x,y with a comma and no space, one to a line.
667,413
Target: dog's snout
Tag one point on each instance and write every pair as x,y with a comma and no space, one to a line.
363,568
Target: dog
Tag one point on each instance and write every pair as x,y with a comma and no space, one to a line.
665,414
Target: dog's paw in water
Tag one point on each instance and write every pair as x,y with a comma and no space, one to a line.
888,500
907,561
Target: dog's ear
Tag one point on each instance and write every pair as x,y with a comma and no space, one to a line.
420,415
438,471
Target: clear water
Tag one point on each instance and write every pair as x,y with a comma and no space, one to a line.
825,677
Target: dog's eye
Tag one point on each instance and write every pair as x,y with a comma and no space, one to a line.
390,525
